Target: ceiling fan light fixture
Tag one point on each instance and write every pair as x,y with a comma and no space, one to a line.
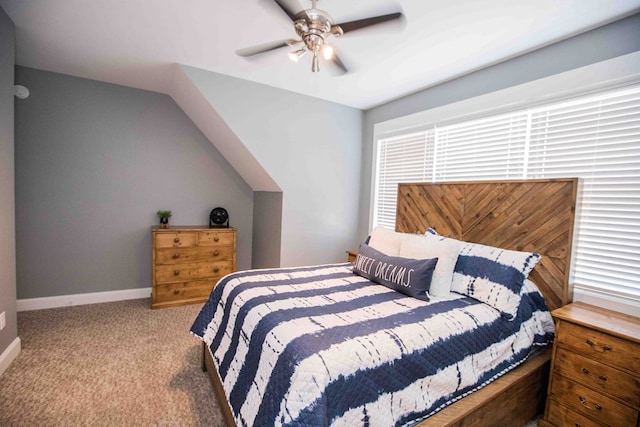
297,54
327,51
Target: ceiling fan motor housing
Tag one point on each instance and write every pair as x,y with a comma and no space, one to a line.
313,26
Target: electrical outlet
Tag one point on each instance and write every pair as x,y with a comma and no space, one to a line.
2,321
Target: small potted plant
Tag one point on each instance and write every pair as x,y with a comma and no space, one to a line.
164,218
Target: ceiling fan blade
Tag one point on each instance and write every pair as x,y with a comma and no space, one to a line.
336,66
367,22
267,47
287,9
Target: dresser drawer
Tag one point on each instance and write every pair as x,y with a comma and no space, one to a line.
602,347
590,403
175,239
192,271
181,291
216,237
216,269
558,415
598,376
184,255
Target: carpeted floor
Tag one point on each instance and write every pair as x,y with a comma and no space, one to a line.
112,364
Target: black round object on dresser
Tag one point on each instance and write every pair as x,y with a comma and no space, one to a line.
219,217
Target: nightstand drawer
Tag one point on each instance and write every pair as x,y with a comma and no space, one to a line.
561,416
603,347
598,376
590,403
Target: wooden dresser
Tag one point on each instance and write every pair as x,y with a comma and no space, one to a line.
595,369
188,261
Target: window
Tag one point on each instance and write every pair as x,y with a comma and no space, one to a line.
408,158
596,138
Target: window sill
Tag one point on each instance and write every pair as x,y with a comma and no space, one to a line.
617,301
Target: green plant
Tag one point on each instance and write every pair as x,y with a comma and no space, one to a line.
164,214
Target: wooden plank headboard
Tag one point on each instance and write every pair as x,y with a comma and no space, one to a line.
531,215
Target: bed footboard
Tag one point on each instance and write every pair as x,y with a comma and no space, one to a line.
513,399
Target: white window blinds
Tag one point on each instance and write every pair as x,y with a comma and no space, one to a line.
490,148
408,158
596,138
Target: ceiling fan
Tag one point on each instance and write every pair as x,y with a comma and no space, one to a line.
315,27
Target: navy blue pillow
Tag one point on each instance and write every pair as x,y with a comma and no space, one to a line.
411,277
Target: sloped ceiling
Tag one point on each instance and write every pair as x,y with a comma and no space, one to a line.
137,43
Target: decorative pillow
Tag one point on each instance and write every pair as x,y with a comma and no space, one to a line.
385,240
421,246
492,275
411,277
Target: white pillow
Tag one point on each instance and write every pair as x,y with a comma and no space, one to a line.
492,275
424,246
385,240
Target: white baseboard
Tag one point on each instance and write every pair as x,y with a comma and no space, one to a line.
9,355
81,299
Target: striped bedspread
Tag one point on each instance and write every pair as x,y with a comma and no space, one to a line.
319,346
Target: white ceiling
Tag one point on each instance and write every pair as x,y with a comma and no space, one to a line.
136,42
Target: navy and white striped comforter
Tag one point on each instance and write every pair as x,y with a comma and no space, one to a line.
320,345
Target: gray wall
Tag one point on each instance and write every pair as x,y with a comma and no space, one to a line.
310,147
7,194
267,229
612,40
94,162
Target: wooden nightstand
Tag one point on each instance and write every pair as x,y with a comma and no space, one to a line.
351,255
595,369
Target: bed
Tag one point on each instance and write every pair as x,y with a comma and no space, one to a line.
319,389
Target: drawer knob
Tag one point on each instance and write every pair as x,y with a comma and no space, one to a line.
216,253
176,256
176,240
602,378
594,346
585,370
176,272
216,238
216,269
176,292
584,403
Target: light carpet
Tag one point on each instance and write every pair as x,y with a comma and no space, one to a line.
111,364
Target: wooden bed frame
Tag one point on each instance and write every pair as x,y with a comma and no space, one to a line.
531,215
